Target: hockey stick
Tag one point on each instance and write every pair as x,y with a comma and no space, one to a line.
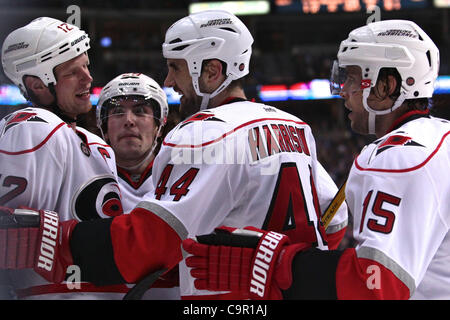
139,288
334,206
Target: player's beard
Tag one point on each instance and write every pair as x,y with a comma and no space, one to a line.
189,106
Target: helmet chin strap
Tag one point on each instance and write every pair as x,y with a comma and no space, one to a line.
207,96
371,122
373,113
205,101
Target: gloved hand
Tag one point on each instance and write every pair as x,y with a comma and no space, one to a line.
35,239
256,263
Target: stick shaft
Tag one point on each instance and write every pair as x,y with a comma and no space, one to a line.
334,206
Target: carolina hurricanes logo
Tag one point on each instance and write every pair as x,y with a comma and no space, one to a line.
202,116
365,83
100,198
104,153
108,201
395,141
20,117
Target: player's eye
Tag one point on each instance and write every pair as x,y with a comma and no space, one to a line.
349,80
117,111
142,111
69,74
139,110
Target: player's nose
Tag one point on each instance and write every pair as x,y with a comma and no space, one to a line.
169,80
86,76
130,118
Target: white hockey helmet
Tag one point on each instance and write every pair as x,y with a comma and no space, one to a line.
210,34
37,48
398,44
132,84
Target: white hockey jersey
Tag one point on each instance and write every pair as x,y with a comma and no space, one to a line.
45,164
399,193
134,188
238,165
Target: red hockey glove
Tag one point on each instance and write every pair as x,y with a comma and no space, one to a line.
256,263
35,239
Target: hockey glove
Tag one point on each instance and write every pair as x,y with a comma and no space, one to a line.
35,239
252,262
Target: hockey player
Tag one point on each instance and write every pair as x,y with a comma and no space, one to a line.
46,161
398,189
132,110
235,162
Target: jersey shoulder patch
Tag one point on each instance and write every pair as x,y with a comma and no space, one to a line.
28,129
406,149
92,138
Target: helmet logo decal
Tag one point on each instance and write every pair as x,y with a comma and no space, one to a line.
216,22
74,42
16,46
397,33
365,83
129,84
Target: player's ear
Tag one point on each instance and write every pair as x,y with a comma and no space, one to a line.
155,131
213,71
35,84
37,91
391,84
